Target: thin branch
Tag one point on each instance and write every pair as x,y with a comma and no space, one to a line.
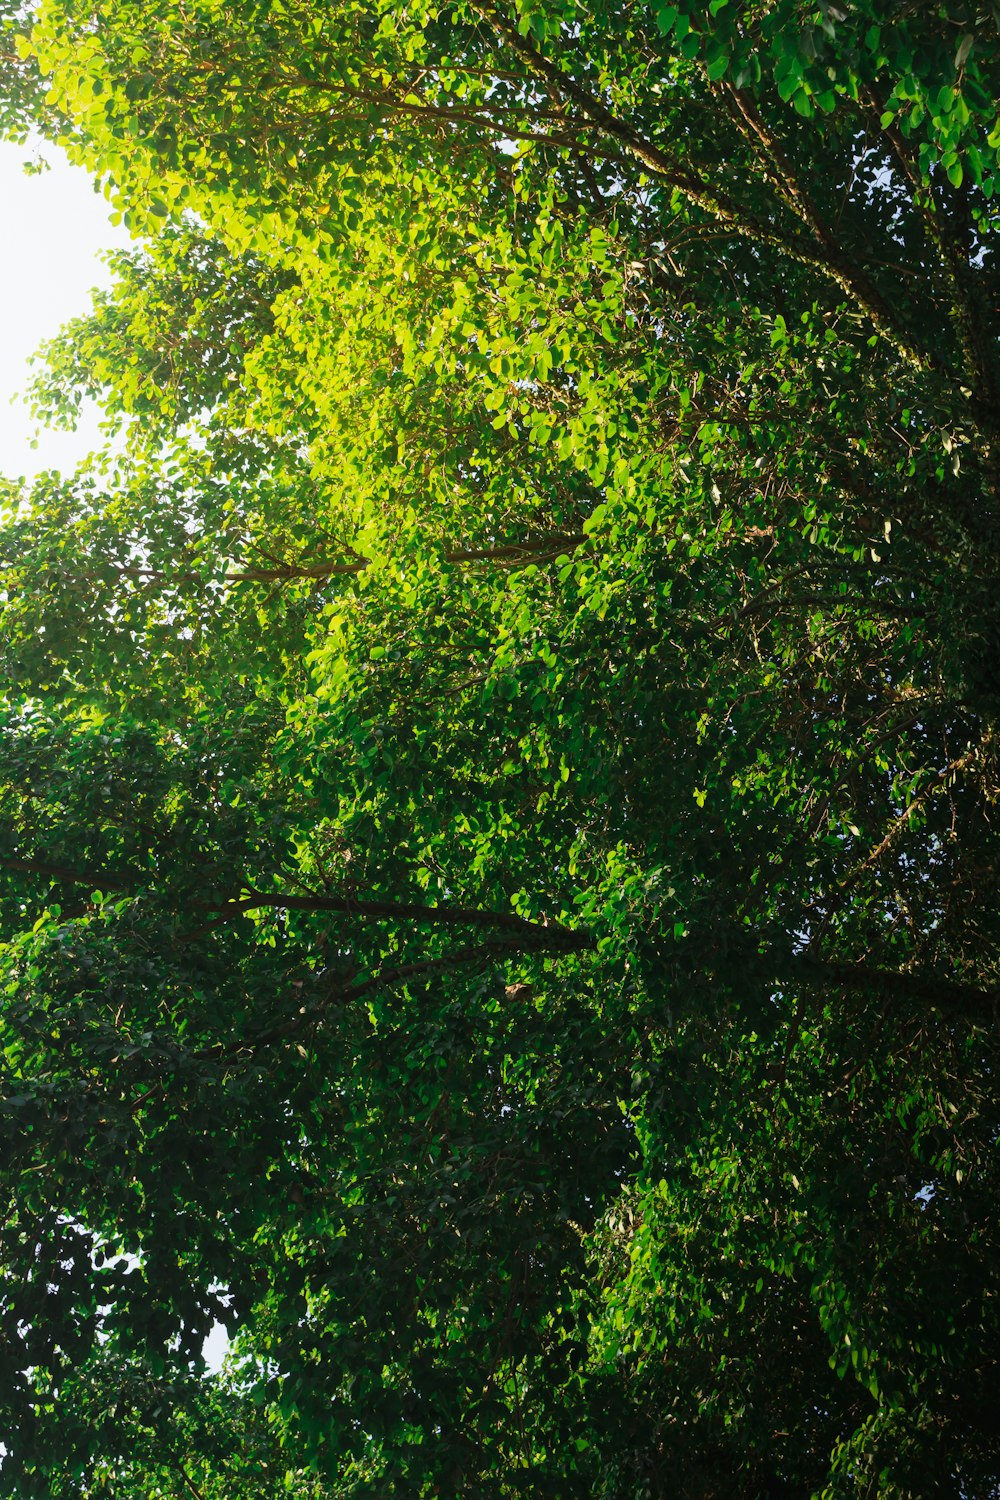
189,1482
952,262
790,189
470,956
542,934
937,784
98,880
520,553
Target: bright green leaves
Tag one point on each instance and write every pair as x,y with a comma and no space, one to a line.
169,343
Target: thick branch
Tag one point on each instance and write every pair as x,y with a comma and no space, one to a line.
541,934
505,554
861,979
546,934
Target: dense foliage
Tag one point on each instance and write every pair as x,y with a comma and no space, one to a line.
498,764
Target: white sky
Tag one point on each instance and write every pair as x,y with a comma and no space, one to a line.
52,230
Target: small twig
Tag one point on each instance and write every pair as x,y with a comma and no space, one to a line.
189,1482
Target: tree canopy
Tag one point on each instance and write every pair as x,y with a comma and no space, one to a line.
499,757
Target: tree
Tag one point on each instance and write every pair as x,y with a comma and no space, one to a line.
499,765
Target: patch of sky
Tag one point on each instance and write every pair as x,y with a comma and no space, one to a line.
54,229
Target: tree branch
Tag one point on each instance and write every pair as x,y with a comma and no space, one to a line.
549,934
826,259
861,979
472,955
98,880
937,784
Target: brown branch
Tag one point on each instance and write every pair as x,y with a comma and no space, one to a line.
281,574
508,554
826,259
189,1482
935,785
791,191
549,934
516,553
772,599
98,880
490,118
544,934
776,966
860,978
